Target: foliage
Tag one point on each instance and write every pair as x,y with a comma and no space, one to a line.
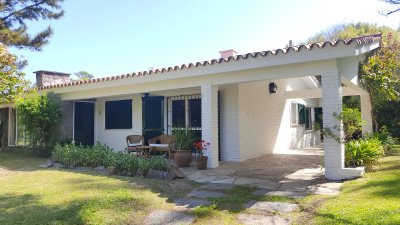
101,155
363,152
39,114
351,30
352,125
15,14
395,3
385,138
83,75
184,138
388,116
379,72
201,146
12,82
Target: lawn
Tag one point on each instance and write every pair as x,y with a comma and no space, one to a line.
29,195
51,196
373,199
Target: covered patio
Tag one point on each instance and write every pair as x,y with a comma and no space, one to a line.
293,173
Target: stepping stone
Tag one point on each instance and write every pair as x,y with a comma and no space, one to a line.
205,194
261,192
248,181
224,181
298,185
327,188
190,203
217,186
249,219
290,194
166,217
281,207
272,186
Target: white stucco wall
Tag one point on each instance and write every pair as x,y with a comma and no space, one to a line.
229,124
115,138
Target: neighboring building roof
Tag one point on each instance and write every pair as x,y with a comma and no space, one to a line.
358,40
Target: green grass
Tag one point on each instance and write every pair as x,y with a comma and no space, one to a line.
50,196
29,195
373,199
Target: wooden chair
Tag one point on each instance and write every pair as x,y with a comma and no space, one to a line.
134,142
163,143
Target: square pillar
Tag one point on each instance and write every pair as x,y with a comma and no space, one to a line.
209,122
366,114
334,150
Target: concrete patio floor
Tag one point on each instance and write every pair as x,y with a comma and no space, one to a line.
293,172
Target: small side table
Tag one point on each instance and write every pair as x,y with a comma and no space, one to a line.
144,150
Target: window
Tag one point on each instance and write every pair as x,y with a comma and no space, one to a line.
178,113
185,111
308,120
195,112
300,114
118,114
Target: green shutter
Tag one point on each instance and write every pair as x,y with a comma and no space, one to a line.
302,113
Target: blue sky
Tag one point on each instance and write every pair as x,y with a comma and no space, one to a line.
122,36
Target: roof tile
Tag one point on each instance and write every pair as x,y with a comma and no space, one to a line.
359,41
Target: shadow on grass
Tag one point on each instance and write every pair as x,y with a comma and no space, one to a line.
27,209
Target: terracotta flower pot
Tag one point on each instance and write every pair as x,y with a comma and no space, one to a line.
183,158
201,162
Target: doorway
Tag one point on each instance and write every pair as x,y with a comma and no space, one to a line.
84,123
153,116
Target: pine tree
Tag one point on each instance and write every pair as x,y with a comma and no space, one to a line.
14,14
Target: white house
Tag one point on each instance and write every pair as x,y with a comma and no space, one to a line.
230,101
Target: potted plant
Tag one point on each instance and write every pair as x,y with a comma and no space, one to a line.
200,147
183,145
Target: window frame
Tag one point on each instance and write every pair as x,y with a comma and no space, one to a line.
294,121
187,115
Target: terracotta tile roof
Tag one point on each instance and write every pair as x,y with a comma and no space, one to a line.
309,47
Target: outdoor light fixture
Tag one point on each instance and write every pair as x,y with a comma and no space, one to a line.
272,87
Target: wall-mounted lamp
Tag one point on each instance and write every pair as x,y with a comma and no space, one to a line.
272,87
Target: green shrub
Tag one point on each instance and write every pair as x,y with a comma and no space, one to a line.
158,163
363,152
386,138
100,155
39,115
124,162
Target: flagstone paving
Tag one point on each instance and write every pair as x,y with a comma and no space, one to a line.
271,207
250,219
294,176
167,217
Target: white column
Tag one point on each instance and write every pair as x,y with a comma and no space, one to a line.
334,150
331,105
209,122
366,115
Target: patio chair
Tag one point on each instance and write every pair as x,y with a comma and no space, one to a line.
133,142
163,143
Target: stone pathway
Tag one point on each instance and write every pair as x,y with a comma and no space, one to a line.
278,175
166,217
249,219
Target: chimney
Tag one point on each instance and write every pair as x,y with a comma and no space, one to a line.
227,53
47,78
